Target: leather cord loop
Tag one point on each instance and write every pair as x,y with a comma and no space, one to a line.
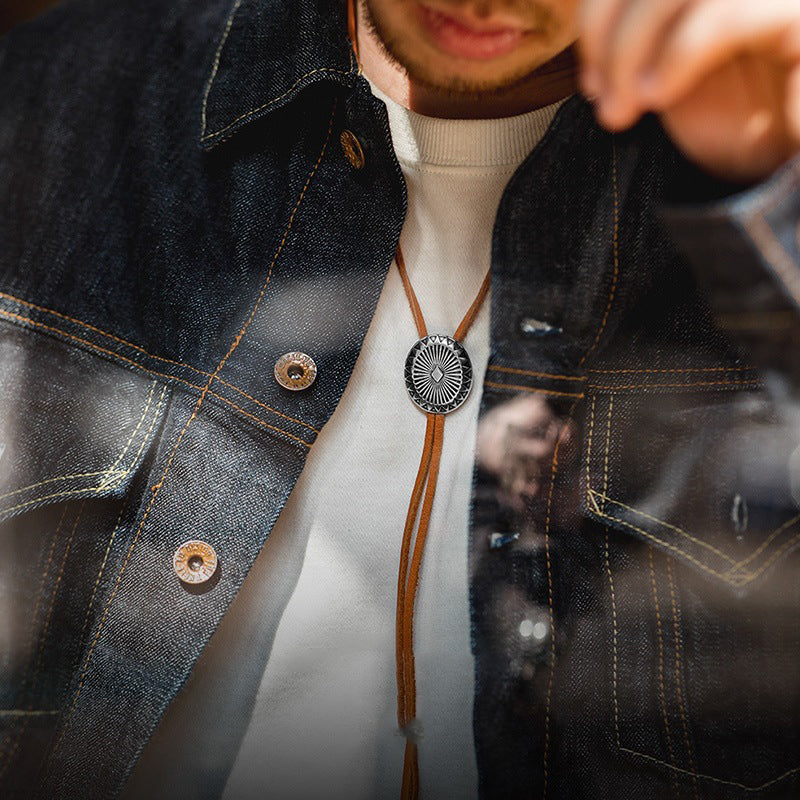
424,492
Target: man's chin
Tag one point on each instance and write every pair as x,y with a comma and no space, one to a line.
453,84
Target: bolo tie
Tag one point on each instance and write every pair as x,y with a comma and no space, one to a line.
438,378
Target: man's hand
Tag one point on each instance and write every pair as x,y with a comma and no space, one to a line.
724,76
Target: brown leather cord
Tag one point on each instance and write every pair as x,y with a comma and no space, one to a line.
352,31
416,563
411,564
416,311
410,771
408,533
466,323
424,485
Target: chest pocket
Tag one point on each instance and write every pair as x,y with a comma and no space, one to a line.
75,434
72,425
697,486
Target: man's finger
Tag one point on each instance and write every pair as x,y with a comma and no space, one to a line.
597,19
707,35
628,51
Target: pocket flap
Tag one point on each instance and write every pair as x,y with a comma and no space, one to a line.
72,424
709,477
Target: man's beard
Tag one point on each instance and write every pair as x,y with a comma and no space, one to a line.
400,53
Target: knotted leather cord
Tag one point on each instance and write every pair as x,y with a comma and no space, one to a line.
408,576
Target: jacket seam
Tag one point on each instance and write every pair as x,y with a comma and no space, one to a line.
550,598
328,70
612,292
669,371
138,366
20,724
103,485
692,773
215,69
157,487
533,374
144,352
753,384
535,389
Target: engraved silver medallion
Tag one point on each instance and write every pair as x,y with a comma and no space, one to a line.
438,374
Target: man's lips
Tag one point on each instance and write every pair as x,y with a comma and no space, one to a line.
470,38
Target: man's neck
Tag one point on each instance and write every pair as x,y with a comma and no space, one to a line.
553,81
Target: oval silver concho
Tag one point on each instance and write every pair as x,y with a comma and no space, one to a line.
438,374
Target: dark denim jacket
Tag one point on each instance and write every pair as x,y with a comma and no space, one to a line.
176,211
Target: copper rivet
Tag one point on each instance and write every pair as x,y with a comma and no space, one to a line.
352,148
195,562
295,371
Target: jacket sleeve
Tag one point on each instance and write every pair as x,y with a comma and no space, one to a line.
745,251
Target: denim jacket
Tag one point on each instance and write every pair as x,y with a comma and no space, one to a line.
177,211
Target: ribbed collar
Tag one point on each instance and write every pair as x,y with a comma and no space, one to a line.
465,142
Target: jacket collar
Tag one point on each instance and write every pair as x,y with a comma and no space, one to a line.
268,52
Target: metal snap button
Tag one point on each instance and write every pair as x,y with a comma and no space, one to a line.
352,149
195,562
295,371
530,327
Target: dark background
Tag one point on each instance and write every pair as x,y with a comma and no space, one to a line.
15,11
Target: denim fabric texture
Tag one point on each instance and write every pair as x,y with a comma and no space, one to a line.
177,211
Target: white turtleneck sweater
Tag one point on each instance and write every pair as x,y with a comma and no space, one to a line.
295,695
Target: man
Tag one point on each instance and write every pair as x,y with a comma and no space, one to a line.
596,592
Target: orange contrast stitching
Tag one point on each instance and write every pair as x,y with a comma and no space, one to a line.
694,775
765,544
32,629
515,371
693,539
670,371
711,778
217,57
662,690
615,247
512,387
678,681
43,635
614,641
139,349
744,579
261,421
113,536
140,367
608,443
157,487
274,100
551,676
46,626
589,442
734,575
752,384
